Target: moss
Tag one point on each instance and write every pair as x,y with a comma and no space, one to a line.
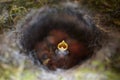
16,9
12,72
110,9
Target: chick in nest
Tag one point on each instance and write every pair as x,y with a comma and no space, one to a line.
61,36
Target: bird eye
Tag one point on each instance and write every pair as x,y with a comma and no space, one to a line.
44,56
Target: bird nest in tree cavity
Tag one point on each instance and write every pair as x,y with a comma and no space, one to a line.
60,37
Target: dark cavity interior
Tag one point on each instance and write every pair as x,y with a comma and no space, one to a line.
43,31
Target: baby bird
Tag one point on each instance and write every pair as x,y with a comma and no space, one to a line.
59,50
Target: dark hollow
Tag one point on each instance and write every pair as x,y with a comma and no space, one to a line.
81,33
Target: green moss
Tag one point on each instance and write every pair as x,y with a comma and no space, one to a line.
8,72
